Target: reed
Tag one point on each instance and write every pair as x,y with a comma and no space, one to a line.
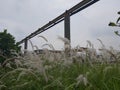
85,70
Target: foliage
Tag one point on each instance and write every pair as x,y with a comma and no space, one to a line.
116,24
58,71
7,45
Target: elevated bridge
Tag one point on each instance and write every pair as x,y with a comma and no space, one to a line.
63,17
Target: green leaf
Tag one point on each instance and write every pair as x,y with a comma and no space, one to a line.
119,12
117,33
112,24
5,31
118,20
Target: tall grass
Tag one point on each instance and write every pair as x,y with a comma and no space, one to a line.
71,70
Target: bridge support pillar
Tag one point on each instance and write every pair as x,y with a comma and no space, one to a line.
67,26
25,45
67,46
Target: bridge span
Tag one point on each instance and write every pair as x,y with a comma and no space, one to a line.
63,17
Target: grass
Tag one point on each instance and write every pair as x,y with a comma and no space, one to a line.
61,71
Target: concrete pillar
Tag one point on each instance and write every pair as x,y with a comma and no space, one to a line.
26,44
67,26
67,33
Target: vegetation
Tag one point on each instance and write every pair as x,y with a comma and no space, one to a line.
66,70
86,70
7,46
116,24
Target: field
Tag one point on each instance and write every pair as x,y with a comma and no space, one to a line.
66,70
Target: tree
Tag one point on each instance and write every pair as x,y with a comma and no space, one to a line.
7,44
116,24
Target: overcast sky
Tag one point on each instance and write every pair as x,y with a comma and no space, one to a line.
22,17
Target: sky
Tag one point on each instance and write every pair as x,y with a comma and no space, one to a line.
22,17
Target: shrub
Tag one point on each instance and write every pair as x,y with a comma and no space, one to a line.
7,44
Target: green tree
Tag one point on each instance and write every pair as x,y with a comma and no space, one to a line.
7,44
116,24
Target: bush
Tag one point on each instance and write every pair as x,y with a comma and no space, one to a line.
7,44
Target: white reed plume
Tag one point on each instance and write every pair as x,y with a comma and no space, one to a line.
105,55
67,62
89,44
20,69
8,65
81,79
107,69
7,60
101,43
36,47
34,62
65,40
18,62
43,38
50,46
31,44
21,74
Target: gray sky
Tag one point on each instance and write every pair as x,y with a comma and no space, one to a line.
22,17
